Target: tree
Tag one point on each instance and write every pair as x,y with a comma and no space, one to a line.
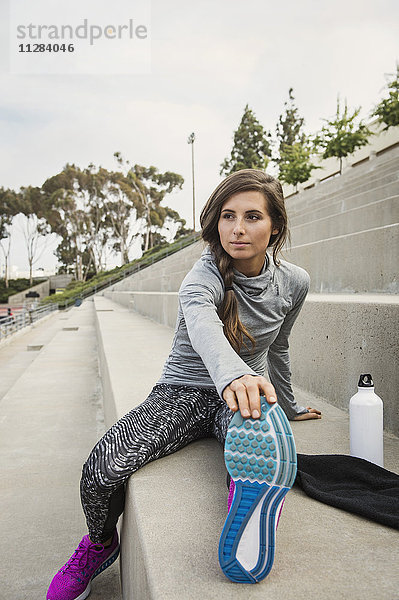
31,202
74,199
289,129
251,148
7,212
387,111
151,187
98,225
124,211
342,135
295,163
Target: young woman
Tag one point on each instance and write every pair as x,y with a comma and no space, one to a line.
237,307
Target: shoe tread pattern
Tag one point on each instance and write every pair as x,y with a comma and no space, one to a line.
262,449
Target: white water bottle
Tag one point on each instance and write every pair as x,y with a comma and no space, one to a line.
366,422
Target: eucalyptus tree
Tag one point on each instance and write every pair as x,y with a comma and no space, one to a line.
75,200
150,188
31,203
93,183
123,209
7,213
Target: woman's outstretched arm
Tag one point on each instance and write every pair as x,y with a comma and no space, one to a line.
280,369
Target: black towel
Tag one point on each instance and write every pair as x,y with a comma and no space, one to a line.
350,483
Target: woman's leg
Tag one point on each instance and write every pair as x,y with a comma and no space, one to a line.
170,418
221,422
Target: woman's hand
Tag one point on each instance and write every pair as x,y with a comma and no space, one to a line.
312,414
244,394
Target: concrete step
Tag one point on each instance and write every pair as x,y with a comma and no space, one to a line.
347,183
375,214
19,350
362,262
321,206
176,506
49,420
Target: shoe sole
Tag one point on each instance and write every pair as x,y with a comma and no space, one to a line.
107,563
260,456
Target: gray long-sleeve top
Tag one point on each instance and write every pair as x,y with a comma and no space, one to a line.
268,305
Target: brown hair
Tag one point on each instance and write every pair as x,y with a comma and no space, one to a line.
241,181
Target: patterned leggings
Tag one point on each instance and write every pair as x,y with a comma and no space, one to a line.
170,418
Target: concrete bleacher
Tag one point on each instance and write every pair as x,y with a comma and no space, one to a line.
339,226
176,506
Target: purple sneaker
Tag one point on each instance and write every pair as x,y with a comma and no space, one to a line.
73,580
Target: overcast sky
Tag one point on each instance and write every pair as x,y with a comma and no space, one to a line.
208,60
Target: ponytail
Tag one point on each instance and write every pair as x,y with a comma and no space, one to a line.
234,330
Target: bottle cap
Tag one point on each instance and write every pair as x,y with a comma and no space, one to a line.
365,381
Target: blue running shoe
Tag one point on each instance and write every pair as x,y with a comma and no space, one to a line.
260,456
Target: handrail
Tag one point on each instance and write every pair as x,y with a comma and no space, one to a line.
13,323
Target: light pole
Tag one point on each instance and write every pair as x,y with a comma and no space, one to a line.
190,140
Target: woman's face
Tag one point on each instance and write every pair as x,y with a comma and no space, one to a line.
245,228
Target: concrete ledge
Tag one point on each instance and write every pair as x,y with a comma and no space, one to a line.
363,262
347,197
326,207
375,214
338,337
371,176
176,506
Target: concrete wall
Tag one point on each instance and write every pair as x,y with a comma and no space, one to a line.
43,289
165,275
338,337
60,281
